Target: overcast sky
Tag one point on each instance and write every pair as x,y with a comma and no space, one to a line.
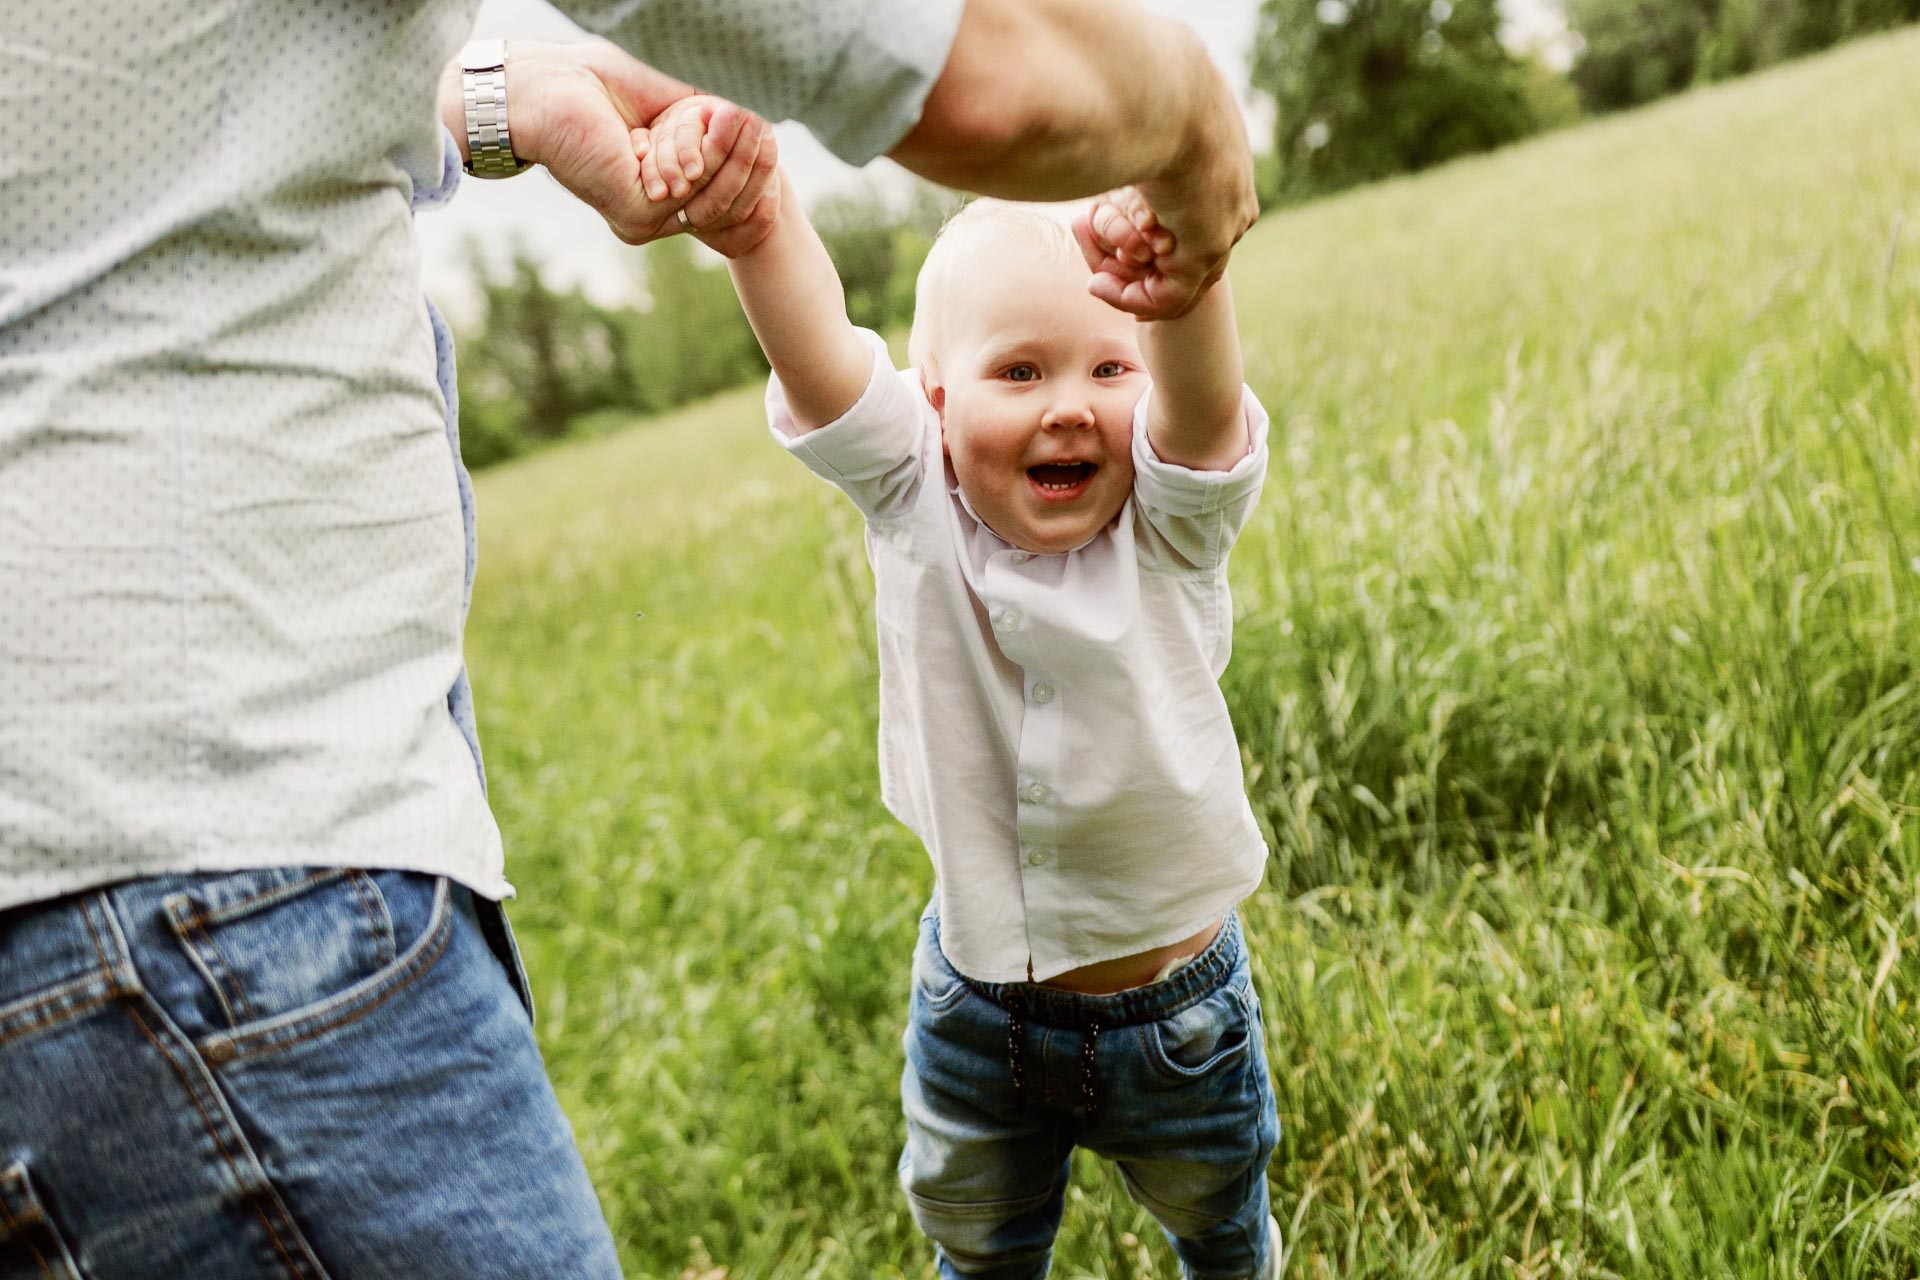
575,245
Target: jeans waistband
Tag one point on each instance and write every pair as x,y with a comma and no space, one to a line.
1192,983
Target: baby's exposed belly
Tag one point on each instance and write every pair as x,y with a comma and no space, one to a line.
1137,970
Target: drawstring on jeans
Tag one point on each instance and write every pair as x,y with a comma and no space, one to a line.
1016,1058
1086,1065
1014,1030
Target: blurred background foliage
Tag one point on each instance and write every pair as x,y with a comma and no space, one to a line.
1361,89
541,364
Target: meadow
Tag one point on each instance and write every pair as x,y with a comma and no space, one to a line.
1577,671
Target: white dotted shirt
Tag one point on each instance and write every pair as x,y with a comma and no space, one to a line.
234,560
1051,726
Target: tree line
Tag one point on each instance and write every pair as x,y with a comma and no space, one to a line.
1362,90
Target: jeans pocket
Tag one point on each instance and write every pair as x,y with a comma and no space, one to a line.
935,981
289,953
1201,1039
30,1245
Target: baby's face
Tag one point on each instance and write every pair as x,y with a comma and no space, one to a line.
1037,383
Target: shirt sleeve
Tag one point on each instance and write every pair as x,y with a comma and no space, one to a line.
872,451
1194,517
855,72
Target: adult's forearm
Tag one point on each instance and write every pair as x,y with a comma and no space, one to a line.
1053,99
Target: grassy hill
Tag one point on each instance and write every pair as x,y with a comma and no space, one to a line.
1578,671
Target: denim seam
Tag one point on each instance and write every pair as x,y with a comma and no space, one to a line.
212,964
945,1000
135,994
253,1194
20,1186
378,918
265,898
981,1208
53,1007
1156,1206
349,1006
14,1229
1163,1064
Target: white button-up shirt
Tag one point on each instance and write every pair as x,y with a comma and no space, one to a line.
234,551
1051,726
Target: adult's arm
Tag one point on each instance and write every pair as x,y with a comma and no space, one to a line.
1027,99
1053,99
574,108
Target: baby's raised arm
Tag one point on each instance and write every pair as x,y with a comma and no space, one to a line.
1195,417
787,284
794,300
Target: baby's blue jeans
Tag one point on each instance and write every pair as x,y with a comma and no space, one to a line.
1169,1081
312,1074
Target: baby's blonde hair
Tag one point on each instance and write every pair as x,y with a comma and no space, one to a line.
964,238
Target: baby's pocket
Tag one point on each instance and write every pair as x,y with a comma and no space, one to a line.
1208,1038
937,985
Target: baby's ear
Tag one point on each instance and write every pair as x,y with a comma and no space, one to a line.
936,394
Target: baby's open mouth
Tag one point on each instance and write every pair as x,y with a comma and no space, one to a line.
1059,477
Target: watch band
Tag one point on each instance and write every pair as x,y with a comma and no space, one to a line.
483,83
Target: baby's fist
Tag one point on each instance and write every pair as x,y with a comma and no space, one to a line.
717,160
1121,238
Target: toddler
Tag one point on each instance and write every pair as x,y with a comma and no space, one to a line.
1050,492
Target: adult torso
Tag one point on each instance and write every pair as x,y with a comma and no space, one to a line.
231,547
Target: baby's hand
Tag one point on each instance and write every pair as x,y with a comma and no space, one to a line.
1122,242
705,152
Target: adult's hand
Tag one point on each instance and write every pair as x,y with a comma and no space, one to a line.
1206,201
577,108
1054,99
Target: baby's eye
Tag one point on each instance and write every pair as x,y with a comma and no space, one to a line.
1109,369
1021,373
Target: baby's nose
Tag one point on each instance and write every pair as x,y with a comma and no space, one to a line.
1068,411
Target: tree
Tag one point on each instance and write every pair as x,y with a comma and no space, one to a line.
539,359
692,339
1367,88
877,250
1639,50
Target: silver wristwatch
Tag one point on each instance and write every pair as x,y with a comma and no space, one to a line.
483,83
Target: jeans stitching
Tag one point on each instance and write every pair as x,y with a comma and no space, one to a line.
348,1006
19,1184
212,962
1163,1063
215,1131
240,906
13,1229
378,917
51,1008
983,1208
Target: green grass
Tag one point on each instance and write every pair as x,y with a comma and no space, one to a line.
1578,673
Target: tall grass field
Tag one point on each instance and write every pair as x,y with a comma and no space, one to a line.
1577,673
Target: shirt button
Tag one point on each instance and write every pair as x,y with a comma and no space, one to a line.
1034,793
1043,693
1021,557
1009,620
1038,857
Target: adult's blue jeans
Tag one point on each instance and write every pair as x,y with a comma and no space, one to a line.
310,1073
1169,1081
